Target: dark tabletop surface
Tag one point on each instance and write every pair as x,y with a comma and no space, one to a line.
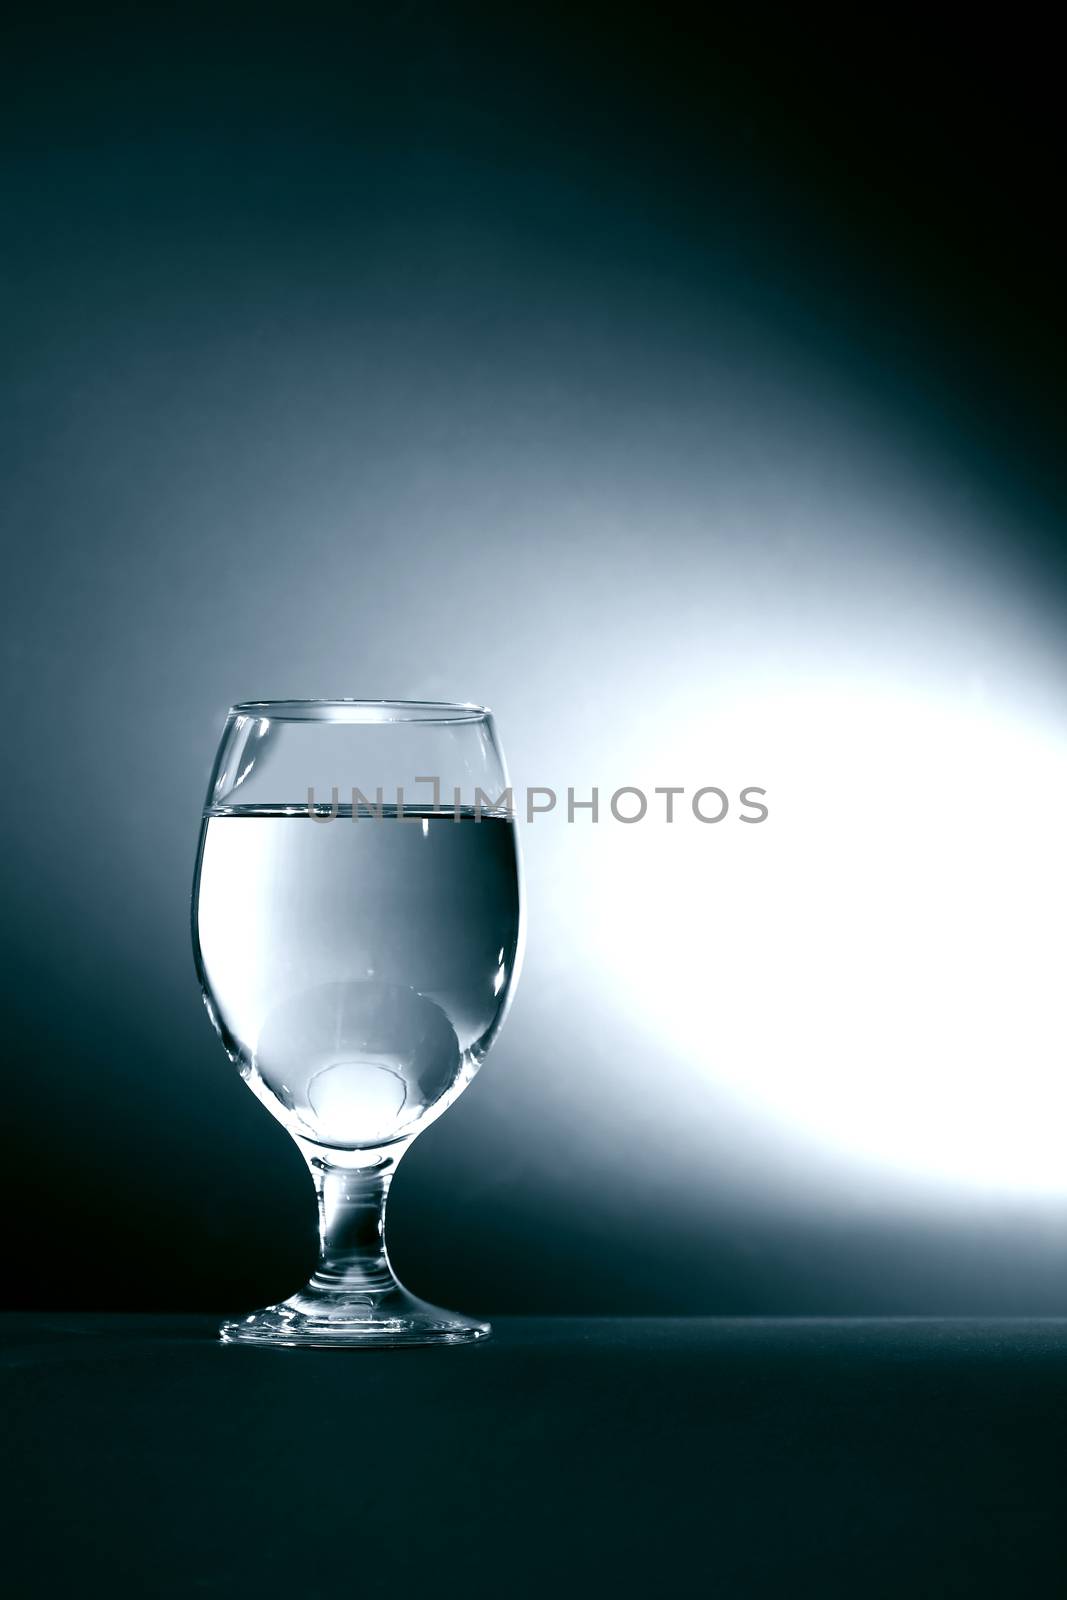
614,1456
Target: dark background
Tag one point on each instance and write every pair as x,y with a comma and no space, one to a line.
489,352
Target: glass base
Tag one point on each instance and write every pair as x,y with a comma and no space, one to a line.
334,1321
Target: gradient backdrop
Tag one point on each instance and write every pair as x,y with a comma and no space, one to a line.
692,393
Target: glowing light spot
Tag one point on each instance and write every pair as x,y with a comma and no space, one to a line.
879,965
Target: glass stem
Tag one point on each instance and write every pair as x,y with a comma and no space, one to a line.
353,1262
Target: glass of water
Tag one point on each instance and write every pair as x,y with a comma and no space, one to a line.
357,927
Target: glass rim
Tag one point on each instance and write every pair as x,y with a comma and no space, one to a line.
345,709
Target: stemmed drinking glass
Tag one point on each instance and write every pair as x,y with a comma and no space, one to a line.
357,929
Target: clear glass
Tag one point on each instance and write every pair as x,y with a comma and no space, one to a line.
357,927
